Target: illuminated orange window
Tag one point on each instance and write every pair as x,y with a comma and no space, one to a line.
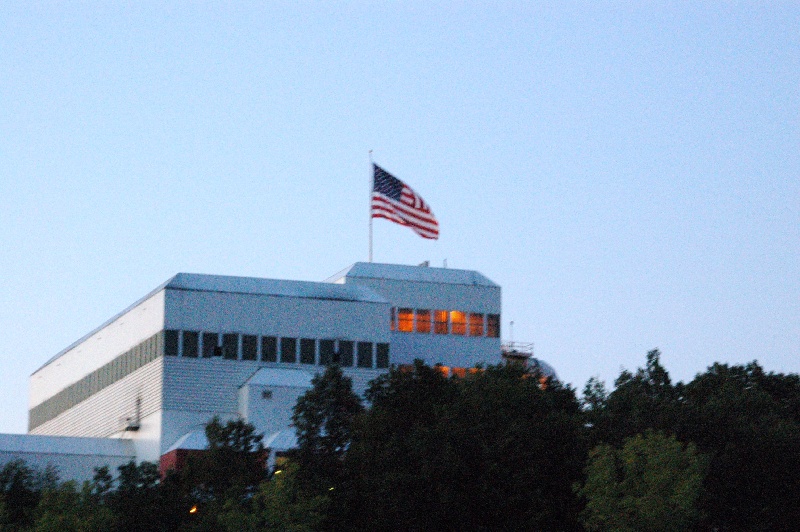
493,325
460,372
444,370
475,324
405,320
440,321
423,321
458,322
473,371
406,368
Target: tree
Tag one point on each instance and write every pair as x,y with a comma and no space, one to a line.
20,490
226,475
747,421
68,508
492,451
279,505
652,483
323,418
641,401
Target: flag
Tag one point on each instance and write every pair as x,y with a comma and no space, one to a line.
394,200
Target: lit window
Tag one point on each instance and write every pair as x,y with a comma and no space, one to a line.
405,320
249,347
458,321
191,341
475,324
423,321
493,325
460,372
444,370
288,349
440,321
269,348
308,348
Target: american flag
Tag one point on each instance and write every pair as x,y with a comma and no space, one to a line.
394,200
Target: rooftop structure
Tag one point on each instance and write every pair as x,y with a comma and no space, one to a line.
239,347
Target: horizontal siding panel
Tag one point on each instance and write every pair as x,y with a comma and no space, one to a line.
104,413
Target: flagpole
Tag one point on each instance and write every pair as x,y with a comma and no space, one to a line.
371,186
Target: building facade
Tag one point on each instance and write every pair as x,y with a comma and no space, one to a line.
200,346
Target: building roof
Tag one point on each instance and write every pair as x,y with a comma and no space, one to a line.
281,377
281,441
191,441
243,285
420,274
272,287
33,443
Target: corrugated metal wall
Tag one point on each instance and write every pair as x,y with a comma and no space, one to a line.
104,413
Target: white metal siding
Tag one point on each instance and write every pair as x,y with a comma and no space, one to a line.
104,413
128,330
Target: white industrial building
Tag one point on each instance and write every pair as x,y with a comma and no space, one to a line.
205,345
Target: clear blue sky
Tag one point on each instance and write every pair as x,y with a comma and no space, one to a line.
627,173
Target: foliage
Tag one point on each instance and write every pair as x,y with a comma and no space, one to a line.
746,420
67,508
278,505
652,483
323,418
21,488
492,451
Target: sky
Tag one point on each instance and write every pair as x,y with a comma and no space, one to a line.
626,171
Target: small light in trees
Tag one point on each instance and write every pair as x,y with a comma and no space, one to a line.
193,510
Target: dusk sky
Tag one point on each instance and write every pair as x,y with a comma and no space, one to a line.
628,172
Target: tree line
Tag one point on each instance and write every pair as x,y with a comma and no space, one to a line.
499,449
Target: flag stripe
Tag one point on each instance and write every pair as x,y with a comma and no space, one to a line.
395,201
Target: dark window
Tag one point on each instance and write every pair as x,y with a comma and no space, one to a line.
210,344
308,347
326,352
364,355
288,349
171,343
405,320
423,321
493,325
269,349
475,324
345,353
230,346
440,322
249,347
382,356
191,341
393,322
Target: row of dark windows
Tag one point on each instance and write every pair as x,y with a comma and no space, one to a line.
458,322
235,346
121,366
